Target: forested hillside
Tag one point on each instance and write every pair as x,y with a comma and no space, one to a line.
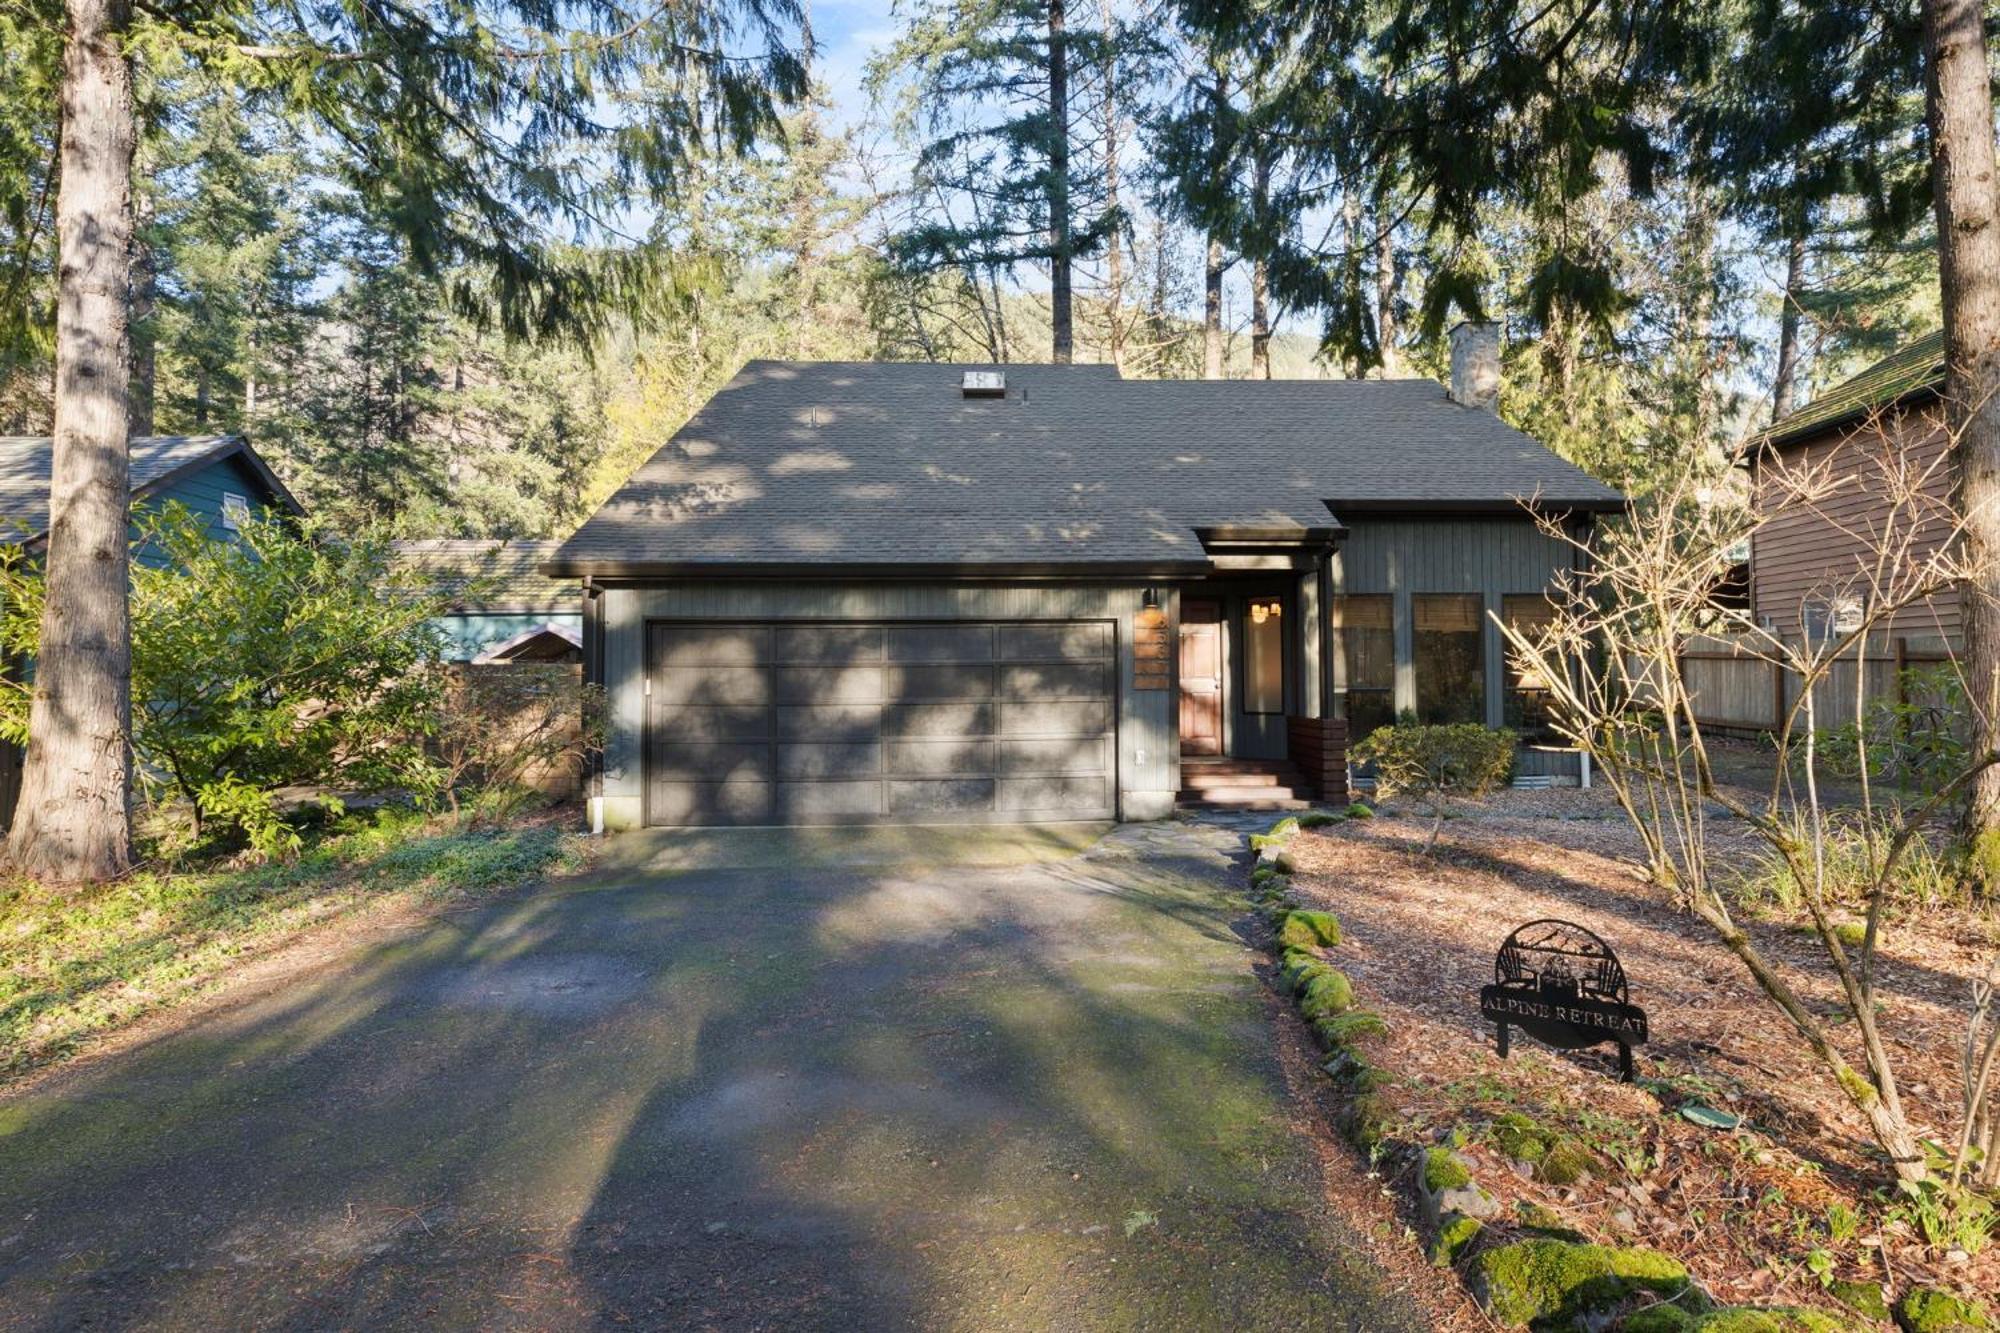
913,219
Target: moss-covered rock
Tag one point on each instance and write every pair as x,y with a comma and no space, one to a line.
1343,1030
1320,819
1360,811
1444,1170
1283,829
1327,993
1368,1121
1307,930
1299,966
1455,1232
1552,1283
1540,1220
1934,1310
1861,1297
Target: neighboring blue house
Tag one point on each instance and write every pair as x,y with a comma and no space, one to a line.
503,609
219,477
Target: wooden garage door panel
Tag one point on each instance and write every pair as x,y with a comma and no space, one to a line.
849,722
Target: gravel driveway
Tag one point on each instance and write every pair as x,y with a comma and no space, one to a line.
966,1079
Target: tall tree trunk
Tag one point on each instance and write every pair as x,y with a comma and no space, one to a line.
1063,337
74,821
1211,327
1785,385
1260,268
1114,295
1385,291
1960,105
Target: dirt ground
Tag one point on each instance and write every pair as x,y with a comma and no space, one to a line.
1743,1209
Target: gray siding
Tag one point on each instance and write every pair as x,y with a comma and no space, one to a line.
1146,719
1495,557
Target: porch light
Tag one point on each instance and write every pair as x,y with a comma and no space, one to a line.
1261,611
1150,613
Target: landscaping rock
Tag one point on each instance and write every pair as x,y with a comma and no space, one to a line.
1861,1297
1455,1231
1342,1030
1934,1310
1326,993
1445,1186
1306,930
1367,1121
1535,1280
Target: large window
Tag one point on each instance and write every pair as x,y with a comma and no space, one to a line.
1450,666
1264,656
1527,699
1368,642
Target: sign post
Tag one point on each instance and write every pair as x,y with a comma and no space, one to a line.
1562,985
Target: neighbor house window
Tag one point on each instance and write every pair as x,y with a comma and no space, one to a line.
1264,655
1368,644
235,511
1527,703
1448,658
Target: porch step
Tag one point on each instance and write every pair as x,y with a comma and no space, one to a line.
1228,795
1289,802
1241,784
1196,779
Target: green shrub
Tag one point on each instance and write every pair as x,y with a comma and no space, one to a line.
275,660
1435,762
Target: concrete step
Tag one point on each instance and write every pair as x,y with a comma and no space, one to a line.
1272,804
1238,795
1197,778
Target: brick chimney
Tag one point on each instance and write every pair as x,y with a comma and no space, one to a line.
1475,365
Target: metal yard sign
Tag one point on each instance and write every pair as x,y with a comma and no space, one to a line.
1562,985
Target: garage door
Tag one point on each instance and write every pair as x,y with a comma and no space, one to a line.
847,723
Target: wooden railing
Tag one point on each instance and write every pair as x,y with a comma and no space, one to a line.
1318,749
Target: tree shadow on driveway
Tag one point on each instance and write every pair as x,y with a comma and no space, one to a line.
873,1096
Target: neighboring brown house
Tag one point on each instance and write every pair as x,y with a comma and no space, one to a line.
1804,563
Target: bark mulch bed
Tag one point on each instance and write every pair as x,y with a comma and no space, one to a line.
1742,1209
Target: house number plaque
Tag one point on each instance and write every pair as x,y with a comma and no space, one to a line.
1562,985
1152,640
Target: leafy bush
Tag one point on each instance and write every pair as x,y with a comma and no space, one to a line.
273,661
1433,762
1916,739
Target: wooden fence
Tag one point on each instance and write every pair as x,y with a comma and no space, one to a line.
1734,691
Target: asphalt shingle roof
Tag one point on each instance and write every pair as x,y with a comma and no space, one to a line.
25,462
879,463
490,576
1915,367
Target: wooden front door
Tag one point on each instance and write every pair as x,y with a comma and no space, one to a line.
1201,677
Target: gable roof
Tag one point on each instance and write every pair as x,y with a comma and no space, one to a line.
1917,367
490,577
796,465
157,462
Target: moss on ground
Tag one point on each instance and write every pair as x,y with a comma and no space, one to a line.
1566,1162
1320,819
1306,930
1931,1310
1553,1281
1518,1136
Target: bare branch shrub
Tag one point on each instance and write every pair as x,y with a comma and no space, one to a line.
1640,596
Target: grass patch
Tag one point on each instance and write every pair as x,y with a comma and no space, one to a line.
84,963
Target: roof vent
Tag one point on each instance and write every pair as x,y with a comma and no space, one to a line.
984,384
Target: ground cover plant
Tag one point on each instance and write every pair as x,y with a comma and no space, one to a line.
83,963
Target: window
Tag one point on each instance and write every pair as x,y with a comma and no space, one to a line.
1368,644
1448,655
1527,695
235,510
1264,655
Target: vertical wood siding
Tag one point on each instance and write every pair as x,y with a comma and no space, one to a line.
1804,555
